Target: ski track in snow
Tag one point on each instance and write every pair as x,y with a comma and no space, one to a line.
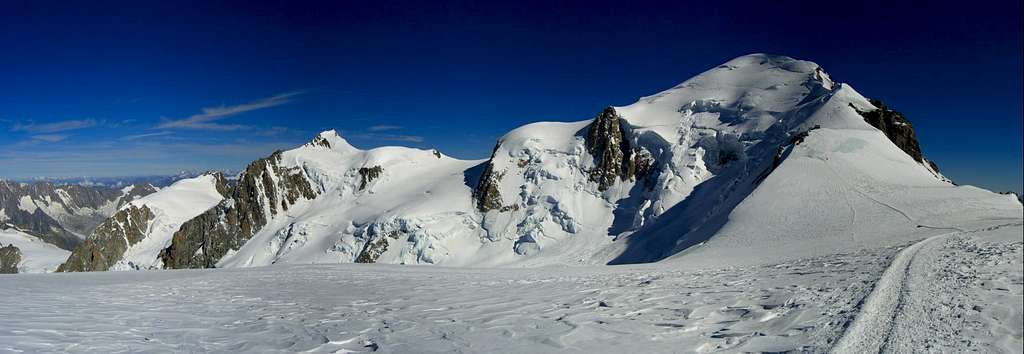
935,295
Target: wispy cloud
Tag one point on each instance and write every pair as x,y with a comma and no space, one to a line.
55,126
39,139
273,131
121,158
381,128
140,136
210,115
385,132
50,138
388,137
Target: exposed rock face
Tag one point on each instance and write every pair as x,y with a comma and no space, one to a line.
56,213
10,256
202,241
265,189
639,164
375,247
897,128
606,142
486,194
321,141
614,158
367,175
110,240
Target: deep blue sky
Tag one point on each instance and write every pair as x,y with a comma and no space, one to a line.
119,88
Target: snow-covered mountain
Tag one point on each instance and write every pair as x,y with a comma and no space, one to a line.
134,236
761,157
24,253
61,215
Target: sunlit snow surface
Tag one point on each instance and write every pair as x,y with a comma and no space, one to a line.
806,305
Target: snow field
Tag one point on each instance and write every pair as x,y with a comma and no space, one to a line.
801,304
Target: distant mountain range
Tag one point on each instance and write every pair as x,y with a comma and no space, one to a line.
116,181
53,215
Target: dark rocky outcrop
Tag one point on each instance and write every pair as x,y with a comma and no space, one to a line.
110,240
605,141
897,128
375,247
319,140
367,175
614,158
10,257
204,240
486,194
639,164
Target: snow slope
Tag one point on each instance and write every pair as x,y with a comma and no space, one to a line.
36,256
843,189
171,207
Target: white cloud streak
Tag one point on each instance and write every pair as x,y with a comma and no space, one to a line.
207,120
50,138
381,128
55,126
149,135
389,137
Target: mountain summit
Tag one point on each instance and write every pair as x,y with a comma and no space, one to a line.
763,157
